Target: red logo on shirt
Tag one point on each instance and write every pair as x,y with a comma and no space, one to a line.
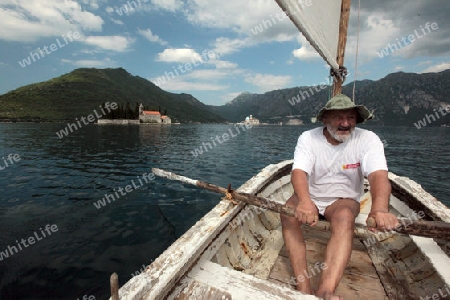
351,166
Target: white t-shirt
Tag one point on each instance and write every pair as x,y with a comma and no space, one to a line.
338,171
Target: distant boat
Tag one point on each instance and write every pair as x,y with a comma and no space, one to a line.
251,120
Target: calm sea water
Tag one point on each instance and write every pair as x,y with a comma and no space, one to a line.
56,181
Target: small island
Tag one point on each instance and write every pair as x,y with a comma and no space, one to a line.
139,116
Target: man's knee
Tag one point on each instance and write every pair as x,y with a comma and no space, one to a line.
343,207
343,218
342,213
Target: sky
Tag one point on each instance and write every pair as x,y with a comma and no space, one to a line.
213,49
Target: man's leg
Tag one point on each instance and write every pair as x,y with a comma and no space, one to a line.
296,247
341,214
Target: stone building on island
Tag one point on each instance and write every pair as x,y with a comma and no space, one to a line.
152,116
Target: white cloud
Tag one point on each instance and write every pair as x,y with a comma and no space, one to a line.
93,4
90,63
425,62
306,51
403,18
190,74
118,22
389,21
151,37
242,17
184,55
212,13
208,74
223,64
194,80
238,15
169,5
178,84
190,82
268,82
211,75
437,68
114,43
27,21
225,45
377,31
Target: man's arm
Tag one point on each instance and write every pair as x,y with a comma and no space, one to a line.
380,189
306,211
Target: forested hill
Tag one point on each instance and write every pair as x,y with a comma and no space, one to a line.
81,91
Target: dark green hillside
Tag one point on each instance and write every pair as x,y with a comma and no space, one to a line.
78,93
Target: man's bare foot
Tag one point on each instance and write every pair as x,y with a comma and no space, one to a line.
330,296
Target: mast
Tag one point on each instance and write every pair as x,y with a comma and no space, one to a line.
343,26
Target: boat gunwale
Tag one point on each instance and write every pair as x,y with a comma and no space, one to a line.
413,195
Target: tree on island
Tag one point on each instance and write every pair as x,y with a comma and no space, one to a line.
136,111
125,112
128,113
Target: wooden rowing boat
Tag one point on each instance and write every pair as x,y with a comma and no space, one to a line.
237,252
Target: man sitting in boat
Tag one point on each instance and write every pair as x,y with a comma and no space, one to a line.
330,163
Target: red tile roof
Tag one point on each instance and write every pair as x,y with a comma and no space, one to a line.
151,112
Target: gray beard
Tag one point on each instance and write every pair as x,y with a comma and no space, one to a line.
340,138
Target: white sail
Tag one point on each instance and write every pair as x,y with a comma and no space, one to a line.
318,20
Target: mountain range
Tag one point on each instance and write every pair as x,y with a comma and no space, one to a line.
399,99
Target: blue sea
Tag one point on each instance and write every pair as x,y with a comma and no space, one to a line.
50,185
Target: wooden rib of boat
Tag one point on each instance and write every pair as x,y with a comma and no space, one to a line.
237,252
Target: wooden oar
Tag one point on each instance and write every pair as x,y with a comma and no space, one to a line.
433,229
244,197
